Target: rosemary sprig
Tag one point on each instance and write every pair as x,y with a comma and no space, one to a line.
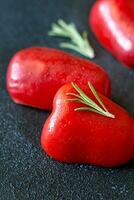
78,43
91,106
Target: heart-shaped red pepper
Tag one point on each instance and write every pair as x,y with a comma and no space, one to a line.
75,135
112,21
35,74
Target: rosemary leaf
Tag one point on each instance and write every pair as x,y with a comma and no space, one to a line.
75,95
86,99
96,96
88,109
77,42
81,97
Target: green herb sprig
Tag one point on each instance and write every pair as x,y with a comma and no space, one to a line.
78,43
81,97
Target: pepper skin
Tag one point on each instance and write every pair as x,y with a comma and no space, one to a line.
87,137
112,22
35,74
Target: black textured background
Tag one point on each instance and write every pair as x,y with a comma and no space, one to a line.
25,171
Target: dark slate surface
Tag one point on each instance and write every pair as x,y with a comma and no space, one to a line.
25,171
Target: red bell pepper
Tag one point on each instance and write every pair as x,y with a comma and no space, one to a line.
35,74
88,129
112,22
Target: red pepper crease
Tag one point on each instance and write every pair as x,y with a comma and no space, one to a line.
35,74
88,137
112,22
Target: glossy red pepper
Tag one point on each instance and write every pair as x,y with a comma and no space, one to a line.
112,22
35,74
88,137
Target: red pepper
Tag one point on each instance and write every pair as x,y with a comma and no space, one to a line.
75,135
112,22
35,74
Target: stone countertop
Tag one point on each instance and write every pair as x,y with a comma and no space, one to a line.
26,172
